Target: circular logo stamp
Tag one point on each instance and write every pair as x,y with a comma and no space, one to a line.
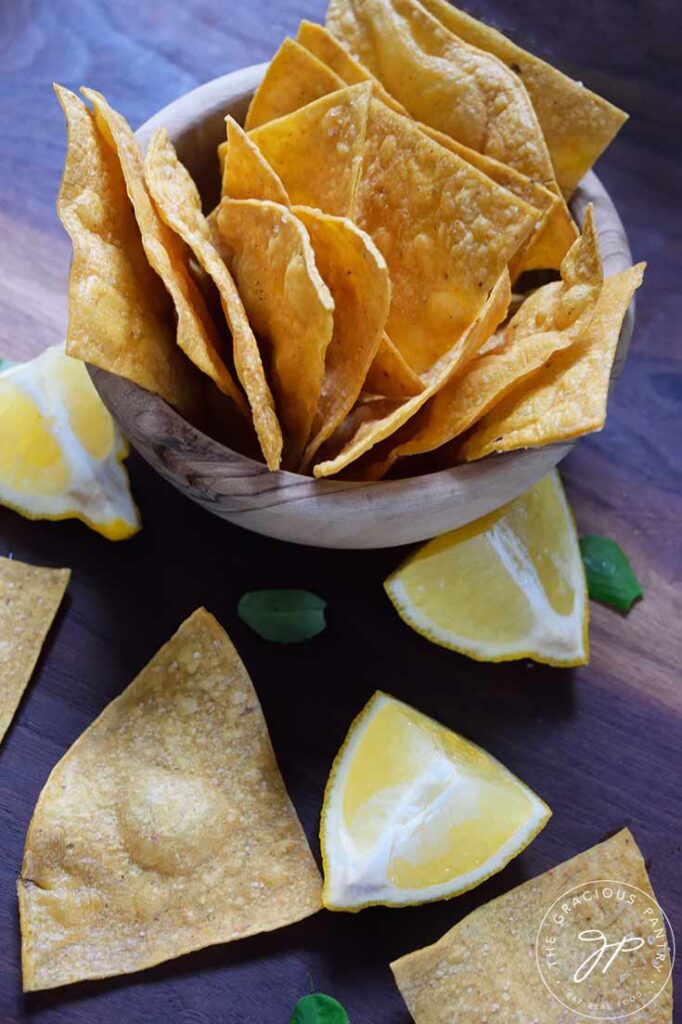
605,949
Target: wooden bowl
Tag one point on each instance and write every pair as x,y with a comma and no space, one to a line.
324,513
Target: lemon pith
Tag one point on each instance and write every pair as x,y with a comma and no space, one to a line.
413,812
61,453
509,585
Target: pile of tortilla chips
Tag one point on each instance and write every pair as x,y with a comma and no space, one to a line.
347,304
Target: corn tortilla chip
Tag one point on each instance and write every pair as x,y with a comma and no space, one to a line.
289,306
316,151
320,42
246,174
554,231
166,827
464,92
369,409
550,319
389,375
168,256
179,205
522,187
446,231
29,599
357,277
468,396
120,316
567,396
381,423
295,77
485,967
577,124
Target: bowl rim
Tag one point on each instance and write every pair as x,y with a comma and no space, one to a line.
239,85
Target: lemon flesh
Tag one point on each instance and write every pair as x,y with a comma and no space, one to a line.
414,812
60,451
510,585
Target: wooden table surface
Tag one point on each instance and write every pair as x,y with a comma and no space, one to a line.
600,744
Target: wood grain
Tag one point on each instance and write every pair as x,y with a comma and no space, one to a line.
601,744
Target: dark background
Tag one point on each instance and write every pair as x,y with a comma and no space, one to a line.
601,744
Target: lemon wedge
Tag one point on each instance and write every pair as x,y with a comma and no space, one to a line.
60,451
414,812
510,585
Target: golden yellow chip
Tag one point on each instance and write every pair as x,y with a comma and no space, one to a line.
355,273
295,77
468,396
319,41
168,256
389,375
166,827
179,205
380,422
317,150
462,91
554,231
550,319
289,306
485,968
120,316
567,396
29,599
577,124
446,231
246,174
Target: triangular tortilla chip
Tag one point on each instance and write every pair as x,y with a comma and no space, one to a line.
319,41
381,423
567,396
482,383
168,256
179,205
295,77
246,174
357,277
485,967
317,150
550,319
166,827
446,231
443,82
289,306
389,375
29,599
554,231
120,315
577,124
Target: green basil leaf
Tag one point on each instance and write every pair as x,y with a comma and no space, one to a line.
610,578
319,1009
283,616
6,364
